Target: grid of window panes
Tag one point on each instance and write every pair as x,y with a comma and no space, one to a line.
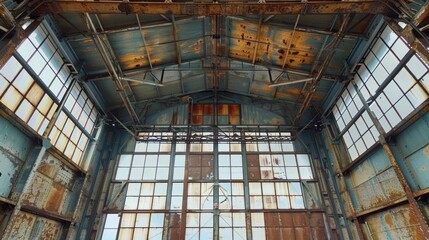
68,138
279,166
43,56
199,226
133,226
23,96
232,226
274,173
81,107
405,92
147,171
276,195
149,195
361,135
346,107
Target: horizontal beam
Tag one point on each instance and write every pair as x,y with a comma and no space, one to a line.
279,84
198,9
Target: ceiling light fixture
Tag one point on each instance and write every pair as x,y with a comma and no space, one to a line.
143,82
278,84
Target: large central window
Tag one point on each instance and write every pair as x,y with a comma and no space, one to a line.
205,189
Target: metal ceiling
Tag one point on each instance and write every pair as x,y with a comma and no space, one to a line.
135,53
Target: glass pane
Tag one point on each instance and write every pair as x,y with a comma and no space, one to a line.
26,49
23,81
37,62
142,219
255,188
11,69
25,110
11,98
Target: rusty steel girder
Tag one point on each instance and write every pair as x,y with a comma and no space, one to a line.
198,9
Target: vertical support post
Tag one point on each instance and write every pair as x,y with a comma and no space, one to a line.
216,210
186,174
166,228
414,207
246,190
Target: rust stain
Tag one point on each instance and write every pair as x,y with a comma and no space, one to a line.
55,198
38,190
47,168
426,151
51,230
22,226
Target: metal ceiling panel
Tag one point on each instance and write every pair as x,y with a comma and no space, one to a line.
129,49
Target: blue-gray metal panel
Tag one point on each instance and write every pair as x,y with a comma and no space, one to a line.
419,164
129,49
414,137
14,149
253,115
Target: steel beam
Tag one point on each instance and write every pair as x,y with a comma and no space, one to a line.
111,69
258,39
169,67
176,39
328,53
422,15
219,8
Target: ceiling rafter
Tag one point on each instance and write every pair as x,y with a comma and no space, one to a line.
258,39
78,36
107,58
173,67
176,39
219,8
328,54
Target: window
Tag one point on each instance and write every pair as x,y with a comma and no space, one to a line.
275,186
397,88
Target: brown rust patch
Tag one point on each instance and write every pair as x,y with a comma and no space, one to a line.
48,168
55,198
389,221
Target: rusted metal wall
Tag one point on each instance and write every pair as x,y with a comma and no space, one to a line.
374,182
54,188
374,199
395,223
31,226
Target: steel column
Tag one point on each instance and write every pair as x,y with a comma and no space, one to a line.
246,191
